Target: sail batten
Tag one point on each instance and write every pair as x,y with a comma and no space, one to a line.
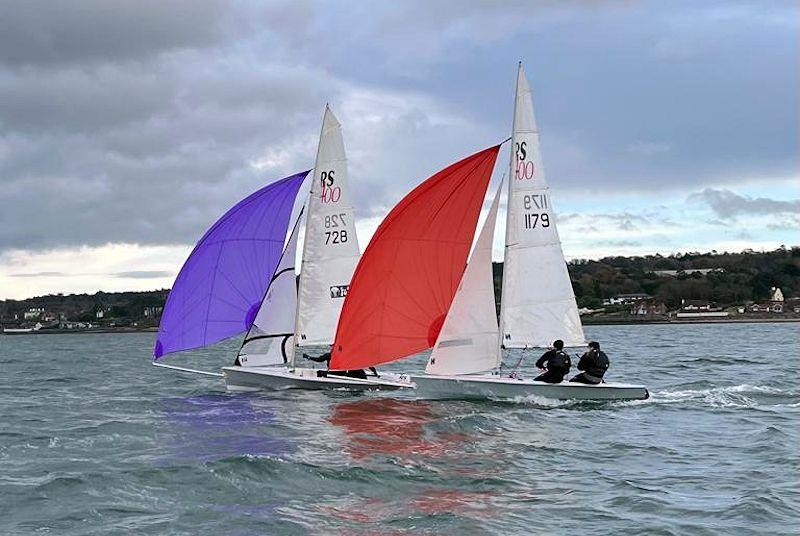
538,303
228,271
405,281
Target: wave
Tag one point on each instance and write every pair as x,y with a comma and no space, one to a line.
732,396
693,362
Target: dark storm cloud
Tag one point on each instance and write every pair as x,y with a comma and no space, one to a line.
133,121
727,204
35,32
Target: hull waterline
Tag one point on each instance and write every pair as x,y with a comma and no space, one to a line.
493,386
282,378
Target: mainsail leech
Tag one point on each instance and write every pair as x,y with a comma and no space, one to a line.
405,282
220,286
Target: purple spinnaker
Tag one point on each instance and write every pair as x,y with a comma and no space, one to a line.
224,279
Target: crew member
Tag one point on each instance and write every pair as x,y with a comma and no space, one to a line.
593,365
326,358
557,363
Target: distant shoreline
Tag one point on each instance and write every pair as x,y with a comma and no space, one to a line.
612,322
83,331
603,322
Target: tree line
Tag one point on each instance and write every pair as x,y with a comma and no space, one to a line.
739,277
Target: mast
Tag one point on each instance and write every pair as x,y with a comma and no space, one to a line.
537,301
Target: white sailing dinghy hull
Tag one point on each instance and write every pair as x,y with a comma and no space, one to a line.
283,378
493,386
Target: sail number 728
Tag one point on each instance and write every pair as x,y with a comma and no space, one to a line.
335,235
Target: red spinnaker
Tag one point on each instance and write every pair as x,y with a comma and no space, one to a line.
406,279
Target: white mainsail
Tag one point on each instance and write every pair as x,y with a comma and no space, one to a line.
270,339
330,248
468,341
538,303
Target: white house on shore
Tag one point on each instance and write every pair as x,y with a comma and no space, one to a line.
624,299
700,310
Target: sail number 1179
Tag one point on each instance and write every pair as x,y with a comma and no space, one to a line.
532,218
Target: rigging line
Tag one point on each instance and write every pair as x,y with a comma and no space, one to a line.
184,369
278,274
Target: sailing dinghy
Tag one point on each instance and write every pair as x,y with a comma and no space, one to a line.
537,303
240,278
289,317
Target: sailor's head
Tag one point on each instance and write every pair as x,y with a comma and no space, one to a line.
558,344
594,345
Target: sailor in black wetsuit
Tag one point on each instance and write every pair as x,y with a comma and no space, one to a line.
557,363
593,365
326,358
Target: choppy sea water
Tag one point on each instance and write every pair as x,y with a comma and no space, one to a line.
93,440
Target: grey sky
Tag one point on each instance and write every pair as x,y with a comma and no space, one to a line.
140,122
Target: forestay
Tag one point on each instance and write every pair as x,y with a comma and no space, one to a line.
330,248
220,286
270,340
405,282
469,340
538,303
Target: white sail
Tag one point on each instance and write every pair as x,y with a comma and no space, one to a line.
468,342
330,249
270,339
538,303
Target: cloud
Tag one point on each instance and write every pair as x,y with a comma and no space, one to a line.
25,273
728,205
39,32
129,122
619,243
785,222
38,274
143,274
112,154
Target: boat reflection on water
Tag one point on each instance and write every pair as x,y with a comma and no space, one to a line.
420,437
212,427
389,426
